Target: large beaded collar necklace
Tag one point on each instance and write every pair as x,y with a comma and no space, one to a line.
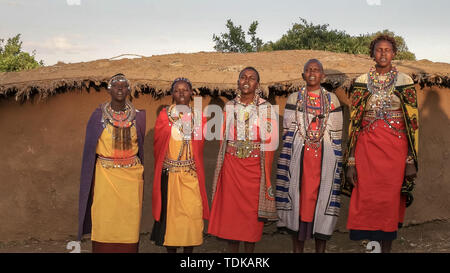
378,82
121,122
381,86
184,124
382,89
119,119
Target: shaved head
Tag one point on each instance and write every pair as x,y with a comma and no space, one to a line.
313,61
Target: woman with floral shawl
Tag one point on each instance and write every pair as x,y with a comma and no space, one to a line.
381,156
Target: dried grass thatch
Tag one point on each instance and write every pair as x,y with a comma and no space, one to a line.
210,73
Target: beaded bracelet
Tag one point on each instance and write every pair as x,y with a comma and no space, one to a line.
351,161
410,159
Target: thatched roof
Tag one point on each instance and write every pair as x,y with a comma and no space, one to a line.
209,72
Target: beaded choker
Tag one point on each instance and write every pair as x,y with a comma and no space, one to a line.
378,82
254,101
120,119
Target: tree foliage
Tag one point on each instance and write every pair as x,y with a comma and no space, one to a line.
305,35
12,58
235,41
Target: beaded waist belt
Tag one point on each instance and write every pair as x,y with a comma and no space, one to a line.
390,118
174,166
107,162
243,149
389,114
170,163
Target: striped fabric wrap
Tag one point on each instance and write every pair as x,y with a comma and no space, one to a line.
282,183
289,171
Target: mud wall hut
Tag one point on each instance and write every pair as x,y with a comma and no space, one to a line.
44,112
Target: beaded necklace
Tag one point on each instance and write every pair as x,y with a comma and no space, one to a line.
253,102
382,89
121,119
121,122
178,120
379,82
243,114
312,137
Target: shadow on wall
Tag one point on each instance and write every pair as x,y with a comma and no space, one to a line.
434,152
149,165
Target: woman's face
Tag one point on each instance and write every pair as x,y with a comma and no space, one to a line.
248,82
383,53
313,74
119,91
182,93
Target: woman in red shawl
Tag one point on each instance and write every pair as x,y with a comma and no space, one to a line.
179,195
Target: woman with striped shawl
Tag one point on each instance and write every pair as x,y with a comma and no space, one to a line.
309,166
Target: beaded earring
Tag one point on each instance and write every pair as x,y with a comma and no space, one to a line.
237,91
259,92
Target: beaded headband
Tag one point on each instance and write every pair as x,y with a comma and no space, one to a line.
118,78
181,79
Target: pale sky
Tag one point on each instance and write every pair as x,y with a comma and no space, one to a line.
85,30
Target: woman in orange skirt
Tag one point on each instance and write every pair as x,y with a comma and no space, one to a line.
382,148
242,195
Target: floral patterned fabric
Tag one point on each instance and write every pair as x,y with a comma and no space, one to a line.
406,92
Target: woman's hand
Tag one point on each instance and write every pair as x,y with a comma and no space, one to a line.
410,171
351,175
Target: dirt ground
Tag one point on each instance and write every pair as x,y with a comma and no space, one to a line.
431,237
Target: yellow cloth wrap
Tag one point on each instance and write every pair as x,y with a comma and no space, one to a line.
184,224
117,201
413,113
